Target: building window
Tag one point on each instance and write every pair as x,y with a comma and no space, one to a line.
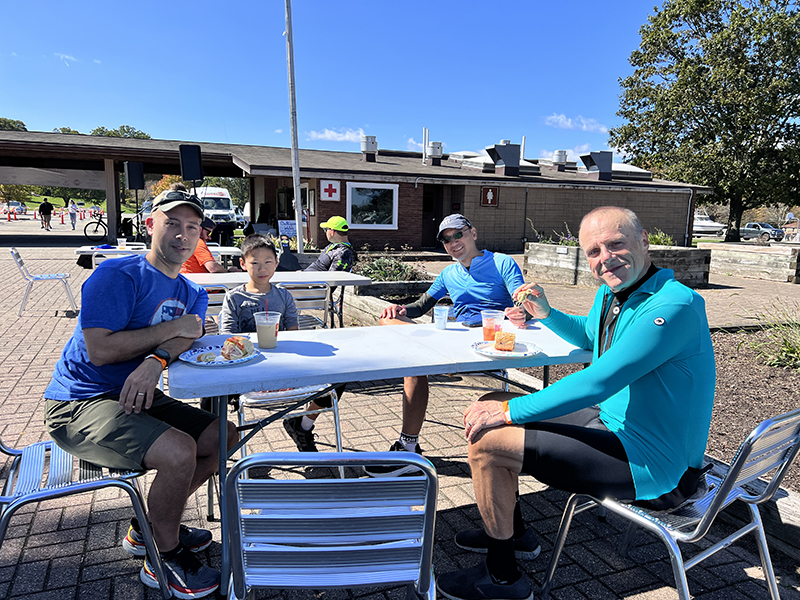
372,205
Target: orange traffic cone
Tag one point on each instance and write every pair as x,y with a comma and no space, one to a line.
62,217
15,215
9,215
34,216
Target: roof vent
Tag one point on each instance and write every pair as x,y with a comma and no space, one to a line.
433,155
369,147
560,157
506,158
598,165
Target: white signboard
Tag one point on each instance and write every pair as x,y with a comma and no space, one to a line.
287,228
329,191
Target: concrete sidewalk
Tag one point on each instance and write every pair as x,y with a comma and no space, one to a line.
70,548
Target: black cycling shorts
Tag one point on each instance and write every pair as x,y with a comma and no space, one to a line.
578,454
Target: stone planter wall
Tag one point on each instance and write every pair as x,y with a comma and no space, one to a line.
393,288
567,264
773,263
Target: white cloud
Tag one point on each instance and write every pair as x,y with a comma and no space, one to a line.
97,62
65,58
13,54
279,131
330,135
413,145
579,123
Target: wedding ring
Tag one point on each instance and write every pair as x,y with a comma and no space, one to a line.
468,423
140,394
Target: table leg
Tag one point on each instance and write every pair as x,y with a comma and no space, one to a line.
223,469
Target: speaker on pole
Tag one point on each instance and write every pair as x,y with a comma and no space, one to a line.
134,175
191,163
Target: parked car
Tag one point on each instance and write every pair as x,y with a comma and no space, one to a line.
762,231
17,207
241,220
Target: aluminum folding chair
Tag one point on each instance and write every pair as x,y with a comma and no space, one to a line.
767,451
314,296
62,277
332,533
43,471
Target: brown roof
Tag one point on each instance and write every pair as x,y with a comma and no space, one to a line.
65,151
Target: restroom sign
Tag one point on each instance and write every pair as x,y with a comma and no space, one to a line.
329,191
489,196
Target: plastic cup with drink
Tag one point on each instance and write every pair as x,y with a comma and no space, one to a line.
440,314
492,323
122,243
267,324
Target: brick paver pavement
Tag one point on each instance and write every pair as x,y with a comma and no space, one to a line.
69,548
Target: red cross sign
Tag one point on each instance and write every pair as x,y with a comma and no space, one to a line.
329,191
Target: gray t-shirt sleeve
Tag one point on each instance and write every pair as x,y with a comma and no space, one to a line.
228,321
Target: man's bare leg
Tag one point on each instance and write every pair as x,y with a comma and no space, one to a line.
415,403
181,465
495,459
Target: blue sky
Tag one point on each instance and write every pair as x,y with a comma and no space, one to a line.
473,72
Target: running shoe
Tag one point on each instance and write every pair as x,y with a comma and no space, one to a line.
393,470
194,539
187,576
475,540
304,440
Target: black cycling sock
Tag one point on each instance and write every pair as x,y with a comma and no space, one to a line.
501,562
519,524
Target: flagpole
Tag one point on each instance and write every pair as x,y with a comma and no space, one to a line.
298,205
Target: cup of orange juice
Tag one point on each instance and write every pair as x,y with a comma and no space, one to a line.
492,321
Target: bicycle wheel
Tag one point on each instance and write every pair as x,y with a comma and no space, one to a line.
96,231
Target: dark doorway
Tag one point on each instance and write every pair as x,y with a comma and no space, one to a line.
432,213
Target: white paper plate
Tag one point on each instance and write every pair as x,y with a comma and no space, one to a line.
190,356
521,350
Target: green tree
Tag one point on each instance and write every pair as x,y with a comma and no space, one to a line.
238,187
66,130
12,125
715,100
124,131
19,193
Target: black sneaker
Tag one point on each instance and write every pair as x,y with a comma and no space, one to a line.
304,440
475,583
393,470
193,538
187,576
475,540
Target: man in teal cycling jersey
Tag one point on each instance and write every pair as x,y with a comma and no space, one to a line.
633,425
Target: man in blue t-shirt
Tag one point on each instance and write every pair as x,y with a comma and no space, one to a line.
479,280
632,426
103,404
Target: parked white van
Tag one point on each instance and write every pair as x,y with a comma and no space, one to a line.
217,204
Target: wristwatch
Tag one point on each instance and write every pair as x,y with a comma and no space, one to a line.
161,356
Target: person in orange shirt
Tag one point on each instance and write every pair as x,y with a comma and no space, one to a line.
202,261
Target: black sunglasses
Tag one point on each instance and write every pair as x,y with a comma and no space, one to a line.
176,195
446,239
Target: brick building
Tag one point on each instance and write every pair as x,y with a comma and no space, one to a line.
391,198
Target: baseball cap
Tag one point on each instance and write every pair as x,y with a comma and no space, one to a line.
208,224
175,198
454,221
337,224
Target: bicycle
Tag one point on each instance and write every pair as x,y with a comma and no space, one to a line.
96,230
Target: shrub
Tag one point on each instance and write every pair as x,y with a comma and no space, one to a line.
383,268
781,323
561,239
659,238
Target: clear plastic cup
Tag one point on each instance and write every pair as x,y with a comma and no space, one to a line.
440,314
121,243
267,324
492,321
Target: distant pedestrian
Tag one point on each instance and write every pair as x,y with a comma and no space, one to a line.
46,211
73,213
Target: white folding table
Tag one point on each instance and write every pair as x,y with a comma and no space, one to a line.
335,356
